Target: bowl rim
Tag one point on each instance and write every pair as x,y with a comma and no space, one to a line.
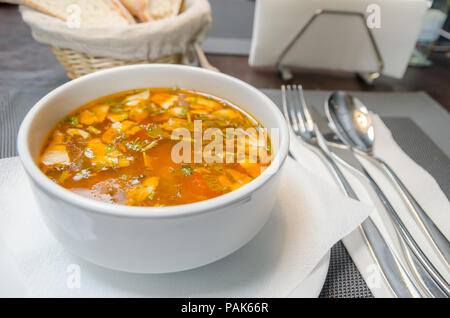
91,205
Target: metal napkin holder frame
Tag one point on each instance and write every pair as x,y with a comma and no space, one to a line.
286,73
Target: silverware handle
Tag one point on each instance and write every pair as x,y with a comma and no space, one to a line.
339,176
439,241
390,268
410,242
429,287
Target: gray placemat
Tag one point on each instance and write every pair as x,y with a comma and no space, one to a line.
13,107
343,279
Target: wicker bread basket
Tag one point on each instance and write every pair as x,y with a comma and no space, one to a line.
78,64
85,50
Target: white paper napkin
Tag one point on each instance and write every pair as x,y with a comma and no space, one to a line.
11,280
419,182
309,217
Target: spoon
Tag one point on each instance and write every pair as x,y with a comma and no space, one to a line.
353,125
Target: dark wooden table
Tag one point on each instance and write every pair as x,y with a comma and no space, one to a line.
434,80
26,63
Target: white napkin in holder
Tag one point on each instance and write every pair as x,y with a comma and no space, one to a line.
337,41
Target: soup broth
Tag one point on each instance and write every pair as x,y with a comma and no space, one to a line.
120,148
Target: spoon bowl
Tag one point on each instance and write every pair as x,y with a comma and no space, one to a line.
351,120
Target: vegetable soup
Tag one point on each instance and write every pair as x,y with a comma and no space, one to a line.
125,148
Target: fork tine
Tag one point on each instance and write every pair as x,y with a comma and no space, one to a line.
301,95
293,109
287,108
298,111
306,115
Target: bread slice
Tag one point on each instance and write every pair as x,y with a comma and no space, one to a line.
161,9
134,6
149,10
92,12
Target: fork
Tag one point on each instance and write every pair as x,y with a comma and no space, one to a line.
299,119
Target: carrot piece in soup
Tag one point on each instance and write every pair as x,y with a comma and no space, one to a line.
196,187
164,100
56,153
95,115
141,192
253,169
137,98
239,178
100,112
109,135
226,113
129,127
117,117
87,117
78,132
138,114
201,102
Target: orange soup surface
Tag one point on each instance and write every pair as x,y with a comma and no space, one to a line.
119,148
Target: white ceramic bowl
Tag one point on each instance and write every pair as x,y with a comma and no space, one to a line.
151,239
